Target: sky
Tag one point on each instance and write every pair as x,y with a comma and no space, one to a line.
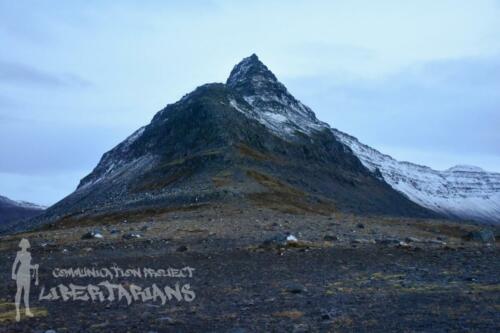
418,80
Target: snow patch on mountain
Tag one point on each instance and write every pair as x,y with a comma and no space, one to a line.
465,168
21,204
132,138
464,192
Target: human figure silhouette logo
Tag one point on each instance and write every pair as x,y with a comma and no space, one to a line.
21,272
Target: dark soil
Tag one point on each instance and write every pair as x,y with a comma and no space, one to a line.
350,284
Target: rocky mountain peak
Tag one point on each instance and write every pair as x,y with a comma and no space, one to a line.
268,100
250,73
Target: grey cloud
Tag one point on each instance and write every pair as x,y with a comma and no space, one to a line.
20,74
447,105
312,50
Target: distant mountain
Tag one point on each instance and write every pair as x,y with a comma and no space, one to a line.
463,192
12,212
246,142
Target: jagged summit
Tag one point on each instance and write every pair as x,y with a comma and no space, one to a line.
250,71
251,77
268,101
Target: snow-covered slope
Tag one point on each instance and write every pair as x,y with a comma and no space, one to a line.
464,192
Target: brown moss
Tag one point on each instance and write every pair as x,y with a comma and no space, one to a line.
118,217
158,183
246,151
290,314
222,179
285,198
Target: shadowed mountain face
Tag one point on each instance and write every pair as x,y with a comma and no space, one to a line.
12,212
248,141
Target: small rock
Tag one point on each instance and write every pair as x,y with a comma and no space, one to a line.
291,239
300,328
362,241
50,331
146,315
92,234
166,319
387,241
360,225
295,288
132,235
182,248
330,238
438,242
275,241
412,239
403,245
329,314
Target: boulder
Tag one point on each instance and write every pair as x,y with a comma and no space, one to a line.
277,240
295,288
92,234
182,248
132,235
483,235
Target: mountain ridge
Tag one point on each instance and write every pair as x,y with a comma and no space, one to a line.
244,141
12,211
248,142
459,192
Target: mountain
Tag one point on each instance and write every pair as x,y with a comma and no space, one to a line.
12,212
461,192
247,142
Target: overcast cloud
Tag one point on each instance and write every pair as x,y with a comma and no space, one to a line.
419,81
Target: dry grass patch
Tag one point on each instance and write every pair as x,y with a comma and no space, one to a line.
111,218
254,154
285,198
222,179
290,314
8,312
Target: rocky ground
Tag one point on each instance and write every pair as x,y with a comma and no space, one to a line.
335,272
